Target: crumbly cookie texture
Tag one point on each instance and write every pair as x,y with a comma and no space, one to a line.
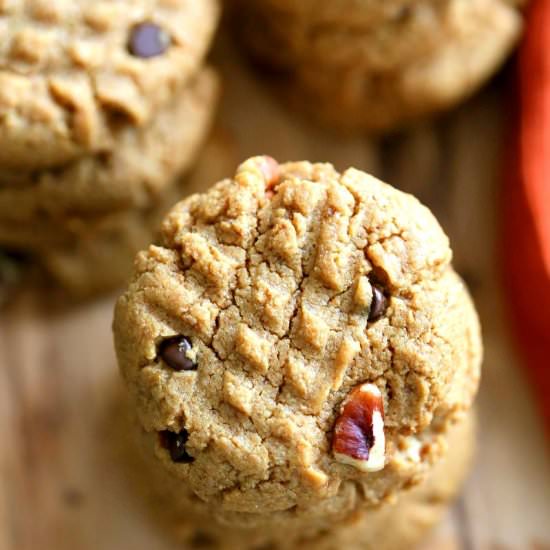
391,526
356,76
74,71
134,175
90,256
294,284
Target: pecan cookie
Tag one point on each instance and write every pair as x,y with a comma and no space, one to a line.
427,57
74,72
297,345
391,526
145,162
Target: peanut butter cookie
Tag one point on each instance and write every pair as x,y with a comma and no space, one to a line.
297,345
74,72
395,525
37,207
424,56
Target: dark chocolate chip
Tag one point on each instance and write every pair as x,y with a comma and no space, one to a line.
175,444
175,352
148,40
378,305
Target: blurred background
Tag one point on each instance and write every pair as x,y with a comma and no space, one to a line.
60,486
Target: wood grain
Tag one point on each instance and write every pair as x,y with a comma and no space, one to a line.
60,486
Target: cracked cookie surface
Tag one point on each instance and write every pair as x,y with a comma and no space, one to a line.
391,526
269,275
145,162
73,71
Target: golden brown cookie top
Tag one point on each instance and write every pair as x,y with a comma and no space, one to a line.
133,175
287,311
73,71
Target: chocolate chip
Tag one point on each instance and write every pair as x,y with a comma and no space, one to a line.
175,444
148,40
175,352
378,305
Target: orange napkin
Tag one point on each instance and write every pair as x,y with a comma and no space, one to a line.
526,246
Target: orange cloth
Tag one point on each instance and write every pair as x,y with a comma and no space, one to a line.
526,250
535,122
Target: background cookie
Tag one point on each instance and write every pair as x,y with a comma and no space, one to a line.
100,256
86,257
289,42
284,288
134,174
356,99
74,72
361,13
378,76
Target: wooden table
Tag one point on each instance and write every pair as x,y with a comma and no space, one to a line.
60,488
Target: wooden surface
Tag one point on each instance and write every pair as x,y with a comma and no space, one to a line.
60,487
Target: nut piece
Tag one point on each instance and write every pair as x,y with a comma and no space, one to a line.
359,430
271,170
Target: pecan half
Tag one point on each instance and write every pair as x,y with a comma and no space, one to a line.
359,439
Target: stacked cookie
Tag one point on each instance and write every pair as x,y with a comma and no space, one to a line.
103,106
299,352
374,65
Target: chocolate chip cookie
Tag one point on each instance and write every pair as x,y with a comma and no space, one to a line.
297,346
394,525
417,58
144,163
74,72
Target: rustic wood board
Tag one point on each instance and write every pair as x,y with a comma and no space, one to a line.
60,487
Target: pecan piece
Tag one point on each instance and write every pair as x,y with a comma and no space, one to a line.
359,439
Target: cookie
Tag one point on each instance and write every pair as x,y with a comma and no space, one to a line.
324,13
288,42
391,526
284,311
357,100
404,523
100,258
74,73
97,255
144,163
378,78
